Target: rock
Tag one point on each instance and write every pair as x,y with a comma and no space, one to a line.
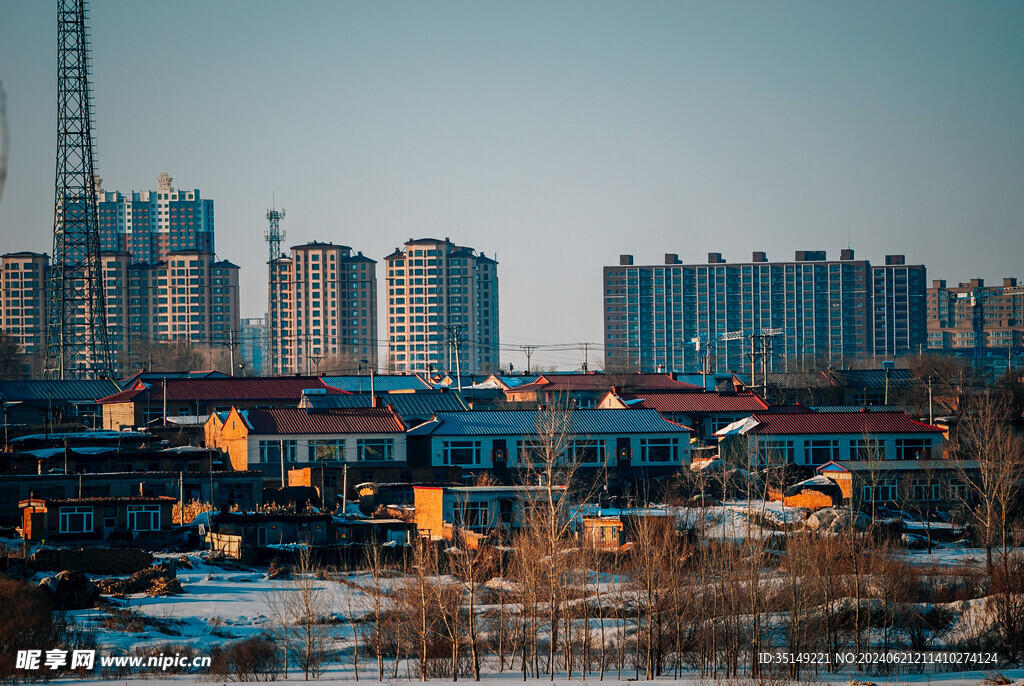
833,520
70,590
996,679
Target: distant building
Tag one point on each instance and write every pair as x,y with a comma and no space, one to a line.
678,317
149,225
23,280
252,338
323,310
191,296
440,293
973,317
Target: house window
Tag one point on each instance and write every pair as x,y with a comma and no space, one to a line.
882,492
821,451
660,450
270,451
776,452
474,516
913,448
866,450
75,520
585,451
461,452
923,490
375,449
530,452
323,451
143,517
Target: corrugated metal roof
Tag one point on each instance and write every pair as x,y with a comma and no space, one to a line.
871,378
839,423
381,384
227,390
857,408
561,383
800,380
698,402
60,391
421,404
297,421
525,423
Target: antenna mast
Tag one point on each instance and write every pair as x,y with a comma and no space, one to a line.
76,330
274,235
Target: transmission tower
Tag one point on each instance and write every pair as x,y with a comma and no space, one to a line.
76,332
274,236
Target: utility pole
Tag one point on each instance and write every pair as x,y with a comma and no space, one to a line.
585,347
528,349
455,331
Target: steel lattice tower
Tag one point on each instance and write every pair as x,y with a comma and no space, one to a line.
274,236
76,332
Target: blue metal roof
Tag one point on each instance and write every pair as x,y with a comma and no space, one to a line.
381,384
58,391
421,404
526,422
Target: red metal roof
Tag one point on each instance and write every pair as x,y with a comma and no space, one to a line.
370,420
840,423
564,383
697,402
239,389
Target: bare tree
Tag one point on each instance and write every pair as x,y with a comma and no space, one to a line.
989,455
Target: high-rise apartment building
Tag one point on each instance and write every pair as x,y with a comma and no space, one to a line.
323,303
677,317
149,225
190,296
972,317
23,280
440,293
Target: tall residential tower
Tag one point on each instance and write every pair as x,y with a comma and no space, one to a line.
322,310
442,297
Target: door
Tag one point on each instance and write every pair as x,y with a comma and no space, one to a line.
623,452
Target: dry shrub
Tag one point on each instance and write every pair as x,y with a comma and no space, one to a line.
26,622
251,659
193,509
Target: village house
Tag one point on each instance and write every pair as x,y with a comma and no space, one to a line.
641,442
704,411
585,391
441,511
95,520
369,441
873,456
225,489
147,399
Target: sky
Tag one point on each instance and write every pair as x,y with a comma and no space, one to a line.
554,135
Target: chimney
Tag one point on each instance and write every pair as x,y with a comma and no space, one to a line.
895,260
846,254
938,283
977,283
625,260
671,258
759,257
715,258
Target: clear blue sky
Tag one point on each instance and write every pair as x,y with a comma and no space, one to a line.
554,134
